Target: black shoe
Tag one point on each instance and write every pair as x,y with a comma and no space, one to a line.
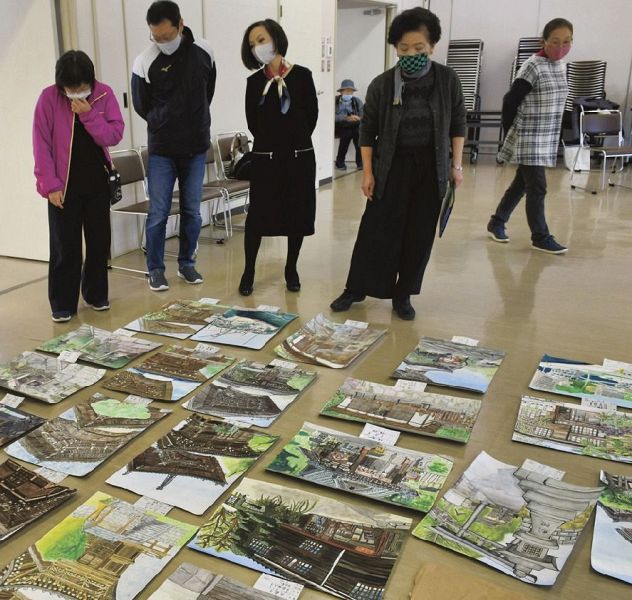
246,285
360,166
190,275
345,300
404,308
158,281
292,281
341,166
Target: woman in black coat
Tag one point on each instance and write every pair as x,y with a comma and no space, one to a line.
281,110
414,118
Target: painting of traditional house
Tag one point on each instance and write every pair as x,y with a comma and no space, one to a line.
576,429
189,582
171,374
46,378
451,364
14,423
324,342
364,467
26,496
99,346
178,318
105,549
83,437
423,413
611,552
202,456
521,522
582,380
252,393
305,537
244,327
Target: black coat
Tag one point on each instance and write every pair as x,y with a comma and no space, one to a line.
173,93
282,182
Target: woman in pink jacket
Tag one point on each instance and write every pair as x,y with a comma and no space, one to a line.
75,121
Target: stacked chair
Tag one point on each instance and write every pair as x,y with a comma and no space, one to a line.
527,46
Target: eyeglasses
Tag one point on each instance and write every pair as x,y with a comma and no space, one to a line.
162,39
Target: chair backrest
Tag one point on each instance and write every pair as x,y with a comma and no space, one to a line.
585,78
466,58
527,46
129,165
601,123
224,143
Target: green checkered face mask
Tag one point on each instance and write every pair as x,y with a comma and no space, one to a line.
414,63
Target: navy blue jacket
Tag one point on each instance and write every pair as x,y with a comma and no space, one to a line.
173,94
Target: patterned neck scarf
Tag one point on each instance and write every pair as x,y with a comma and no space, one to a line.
284,93
400,80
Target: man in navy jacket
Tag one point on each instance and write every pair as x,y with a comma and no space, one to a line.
173,83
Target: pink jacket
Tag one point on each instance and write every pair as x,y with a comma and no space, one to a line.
53,126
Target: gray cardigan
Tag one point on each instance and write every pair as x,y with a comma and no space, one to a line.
381,119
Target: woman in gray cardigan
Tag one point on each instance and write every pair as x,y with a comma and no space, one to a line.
413,117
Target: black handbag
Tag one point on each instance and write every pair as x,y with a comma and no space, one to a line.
114,183
243,168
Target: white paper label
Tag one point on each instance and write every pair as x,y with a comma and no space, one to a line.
138,400
69,356
54,476
150,505
12,400
125,332
459,339
413,386
380,434
209,300
284,364
207,348
358,324
599,403
536,467
288,590
268,308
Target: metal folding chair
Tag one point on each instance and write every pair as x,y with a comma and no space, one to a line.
594,129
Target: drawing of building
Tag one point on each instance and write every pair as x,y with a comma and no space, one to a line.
255,375
419,416
568,424
188,311
164,327
550,505
61,440
87,418
333,554
172,462
115,535
228,401
14,423
175,364
25,496
135,383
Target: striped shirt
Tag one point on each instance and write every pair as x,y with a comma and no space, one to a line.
534,137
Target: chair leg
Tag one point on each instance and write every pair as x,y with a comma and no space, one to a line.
603,172
574,165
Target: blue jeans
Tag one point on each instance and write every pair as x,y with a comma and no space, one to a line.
162,174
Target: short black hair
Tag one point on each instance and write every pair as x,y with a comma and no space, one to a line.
278,38
415,19
72,69
554,24
161,10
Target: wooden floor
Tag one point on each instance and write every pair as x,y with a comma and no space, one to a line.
508,296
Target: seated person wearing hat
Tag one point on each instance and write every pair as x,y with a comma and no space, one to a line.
348,116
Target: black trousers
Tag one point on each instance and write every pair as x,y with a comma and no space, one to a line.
397,230
531,180
348,134
87,211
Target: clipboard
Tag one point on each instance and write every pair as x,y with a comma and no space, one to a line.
446,208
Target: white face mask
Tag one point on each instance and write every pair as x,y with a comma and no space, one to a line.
264,53
78,95
169,48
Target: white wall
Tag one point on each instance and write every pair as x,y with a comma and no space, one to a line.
27,65
602,31
360,48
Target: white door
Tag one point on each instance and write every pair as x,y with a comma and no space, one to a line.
306,25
